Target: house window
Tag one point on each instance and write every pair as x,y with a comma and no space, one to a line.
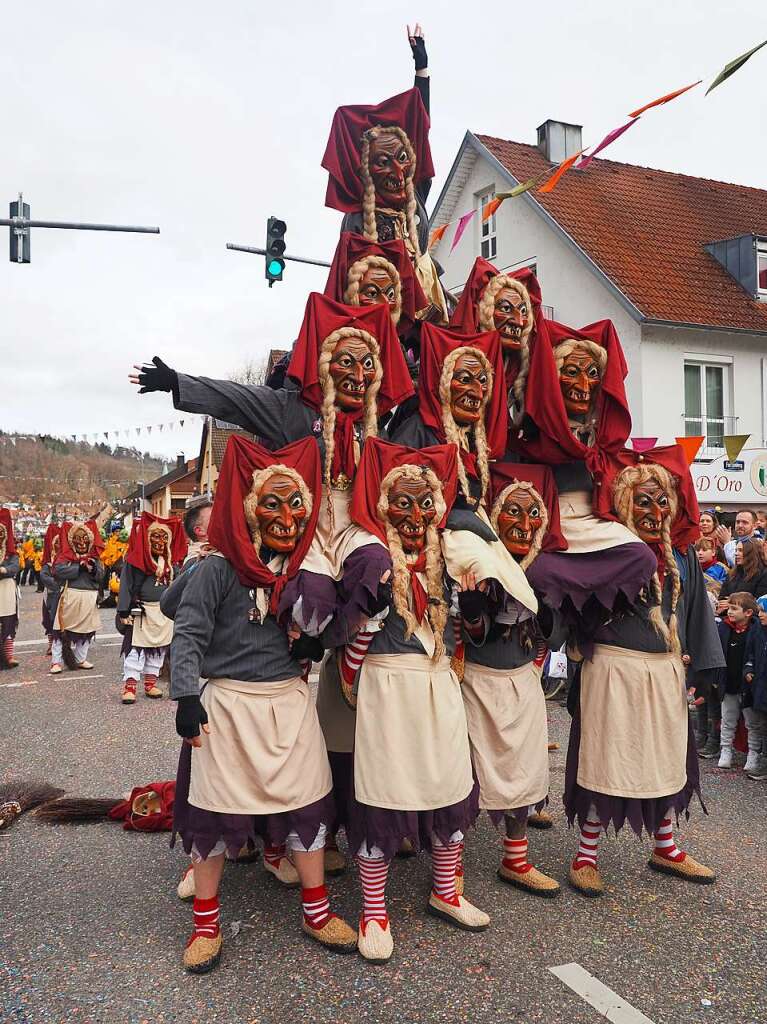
705,396
761,270
487,239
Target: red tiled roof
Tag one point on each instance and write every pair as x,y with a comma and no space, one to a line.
646,229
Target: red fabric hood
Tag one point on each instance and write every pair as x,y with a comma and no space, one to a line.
379,458
342,153
353,247
10,540
50,533
504,473
228,531
139,554
66,552
465,316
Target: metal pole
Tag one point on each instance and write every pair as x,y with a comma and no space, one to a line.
262,252
23,222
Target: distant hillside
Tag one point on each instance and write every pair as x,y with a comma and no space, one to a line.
43,470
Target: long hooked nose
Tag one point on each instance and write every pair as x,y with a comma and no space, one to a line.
285,517
516,317
358,373
475,388
524,522
416,513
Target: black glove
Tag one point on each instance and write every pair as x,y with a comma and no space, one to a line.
190,715
382,599
157,378
473,603
307,648
418,46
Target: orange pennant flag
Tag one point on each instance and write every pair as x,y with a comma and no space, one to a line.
564,167
690,446
490,209
664,99
437,234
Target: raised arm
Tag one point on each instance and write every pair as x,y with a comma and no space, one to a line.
420,59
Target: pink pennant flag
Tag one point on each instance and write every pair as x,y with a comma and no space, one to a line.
643,444
606,141
463,223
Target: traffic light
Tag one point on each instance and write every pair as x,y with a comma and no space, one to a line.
275,249
20,248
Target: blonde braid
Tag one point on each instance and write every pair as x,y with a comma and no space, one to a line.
357,271
369,226
459,435
3,541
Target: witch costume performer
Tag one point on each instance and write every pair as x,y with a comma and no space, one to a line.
78,569
156,549
9,604
632,757
254,761
502,693
51,588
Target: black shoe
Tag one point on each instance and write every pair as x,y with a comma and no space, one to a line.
711,748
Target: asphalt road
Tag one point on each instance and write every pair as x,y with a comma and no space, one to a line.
91,929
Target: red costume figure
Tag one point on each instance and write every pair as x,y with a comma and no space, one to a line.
77,568
9,609
51,587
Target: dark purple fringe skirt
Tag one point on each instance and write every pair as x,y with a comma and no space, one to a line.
384,828
8,626
617,810
46,619
342,770
601,575
204,829
72,637
317,592
357,591
519,814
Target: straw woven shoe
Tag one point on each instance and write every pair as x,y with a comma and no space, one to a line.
533,881
335,934
203,954
688,869
587,880
375,942
465,915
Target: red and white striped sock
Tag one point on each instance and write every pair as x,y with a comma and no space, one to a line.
587,849
8,648
664,842
515,855
373,875
459,863
206,918
354,655
444,859
316,906
274,854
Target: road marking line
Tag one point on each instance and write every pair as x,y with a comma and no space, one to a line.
602,998
32,682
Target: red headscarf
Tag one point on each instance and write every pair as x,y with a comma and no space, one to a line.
66,552
353,247
10,540
50,533
546,407
436,345
161,821
228,530
504,473
139,553
379,458
685,529
466,314
342,153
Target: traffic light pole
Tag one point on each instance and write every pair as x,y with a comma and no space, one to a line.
262,252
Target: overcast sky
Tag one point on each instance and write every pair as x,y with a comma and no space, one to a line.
206,118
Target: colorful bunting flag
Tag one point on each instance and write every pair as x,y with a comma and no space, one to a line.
610,137
664,99
733,66
643,444
734,445
490,209
463,223
563,168
436,236
518,190
690,446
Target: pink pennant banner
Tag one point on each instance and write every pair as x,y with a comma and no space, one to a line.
643,444
463,223
606,141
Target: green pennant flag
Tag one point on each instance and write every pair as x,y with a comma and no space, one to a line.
517,190
733,66
734,445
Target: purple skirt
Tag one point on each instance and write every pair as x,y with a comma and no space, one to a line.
8,626
602,575
384,828
519,814
203,829
47,620
342,770
617,810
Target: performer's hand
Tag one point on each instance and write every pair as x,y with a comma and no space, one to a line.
686,660
749,677
418,46
190,718
126,620
472,597
159,377
3,571
306,648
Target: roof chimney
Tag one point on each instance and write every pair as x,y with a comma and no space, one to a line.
558,140
180,461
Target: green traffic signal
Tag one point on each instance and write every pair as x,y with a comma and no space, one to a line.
275,267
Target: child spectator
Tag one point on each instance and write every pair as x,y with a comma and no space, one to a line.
737,627
755,697
714,571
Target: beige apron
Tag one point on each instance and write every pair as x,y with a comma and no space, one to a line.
508,734
77,611
264,754
411,749
8,602
334,542
583,531
634,724
465,552
152,629
337,719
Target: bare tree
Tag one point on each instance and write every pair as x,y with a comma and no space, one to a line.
252,371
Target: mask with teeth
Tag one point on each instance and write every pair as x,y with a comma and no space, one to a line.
352,367
157,542
511,314
280,511
519,519
411,511
469,388
650,507
81,541
377,286
579,381
390,167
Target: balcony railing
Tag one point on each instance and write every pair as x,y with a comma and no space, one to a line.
713,429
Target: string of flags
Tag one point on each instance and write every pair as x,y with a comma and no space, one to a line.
127,432
733,445
548,180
